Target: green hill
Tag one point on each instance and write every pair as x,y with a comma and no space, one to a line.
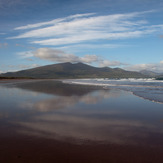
76,70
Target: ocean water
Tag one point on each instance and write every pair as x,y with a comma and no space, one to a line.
149,89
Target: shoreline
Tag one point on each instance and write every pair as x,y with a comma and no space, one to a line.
68,82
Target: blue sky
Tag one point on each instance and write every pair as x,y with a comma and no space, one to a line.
114,33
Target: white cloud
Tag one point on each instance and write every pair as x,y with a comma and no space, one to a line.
89,58
53,22
87,27
60,56
155,67
90,36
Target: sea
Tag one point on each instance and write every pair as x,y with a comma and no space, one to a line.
149,89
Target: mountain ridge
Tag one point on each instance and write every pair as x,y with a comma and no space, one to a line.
150,73
74,70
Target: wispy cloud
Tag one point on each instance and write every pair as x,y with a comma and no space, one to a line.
87,27
92,46
25,54
53,22
90,36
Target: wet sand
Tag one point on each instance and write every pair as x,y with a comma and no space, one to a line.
91,125
30,149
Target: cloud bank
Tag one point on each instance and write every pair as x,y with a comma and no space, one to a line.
155,67
55,55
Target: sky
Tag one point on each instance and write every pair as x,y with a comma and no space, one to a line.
102,33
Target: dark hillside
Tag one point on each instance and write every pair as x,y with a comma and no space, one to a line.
76,70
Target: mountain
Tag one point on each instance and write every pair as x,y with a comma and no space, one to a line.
149,73
73,70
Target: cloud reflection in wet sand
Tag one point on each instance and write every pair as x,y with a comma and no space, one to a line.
79,124
81,128
60,102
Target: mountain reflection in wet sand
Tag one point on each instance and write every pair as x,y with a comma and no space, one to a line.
81,117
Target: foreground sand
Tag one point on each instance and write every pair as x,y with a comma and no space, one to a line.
27,149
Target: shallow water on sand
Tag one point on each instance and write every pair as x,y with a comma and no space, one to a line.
48,120
150,89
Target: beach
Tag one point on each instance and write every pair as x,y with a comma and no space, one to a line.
51,121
